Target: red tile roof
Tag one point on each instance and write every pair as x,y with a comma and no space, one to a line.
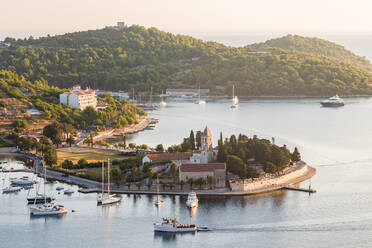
202,167
168,156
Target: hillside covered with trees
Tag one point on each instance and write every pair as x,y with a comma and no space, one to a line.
136,57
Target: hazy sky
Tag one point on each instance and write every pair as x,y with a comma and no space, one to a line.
189,16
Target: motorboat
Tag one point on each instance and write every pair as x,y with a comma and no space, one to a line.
203,228
192,200
172,225
11,189
69,191
59,188
334,101
47,210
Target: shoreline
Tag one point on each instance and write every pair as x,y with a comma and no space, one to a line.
90,186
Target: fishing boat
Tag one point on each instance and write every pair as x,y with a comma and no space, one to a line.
334,101
107,198
172,225
235,99
11,189
158,201
47,209
192,200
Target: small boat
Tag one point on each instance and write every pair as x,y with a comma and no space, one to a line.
334,101
162,104
192,200
203,228
11,189
47,210
235,100
59,188
69,191
172,225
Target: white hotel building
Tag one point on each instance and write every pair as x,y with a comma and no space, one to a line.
79,98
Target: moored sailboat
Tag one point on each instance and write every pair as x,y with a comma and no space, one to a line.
235,99
158,201
107,198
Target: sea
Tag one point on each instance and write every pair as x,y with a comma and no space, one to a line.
335,141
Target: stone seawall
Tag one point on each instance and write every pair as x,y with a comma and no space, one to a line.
300,173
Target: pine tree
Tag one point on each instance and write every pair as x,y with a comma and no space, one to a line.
192,139
296,156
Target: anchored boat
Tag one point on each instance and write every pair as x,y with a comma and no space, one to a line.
107,198
192,200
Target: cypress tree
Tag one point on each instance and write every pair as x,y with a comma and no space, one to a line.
192,139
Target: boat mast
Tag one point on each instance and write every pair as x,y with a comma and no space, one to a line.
103,177
233,92
45,201
108,176
151,96
157,187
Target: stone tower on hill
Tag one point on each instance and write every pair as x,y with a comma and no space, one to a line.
206,155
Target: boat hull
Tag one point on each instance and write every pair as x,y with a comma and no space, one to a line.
328,104
158,228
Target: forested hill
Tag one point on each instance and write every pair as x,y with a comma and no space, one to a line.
136,57
316,46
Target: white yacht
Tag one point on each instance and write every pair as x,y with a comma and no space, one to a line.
162,104
192,200
107,198
11,189
235,99
172,225
334,101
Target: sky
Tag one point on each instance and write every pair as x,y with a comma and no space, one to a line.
40,17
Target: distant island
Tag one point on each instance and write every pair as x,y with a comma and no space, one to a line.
135,57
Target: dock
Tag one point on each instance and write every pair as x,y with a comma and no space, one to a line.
310,190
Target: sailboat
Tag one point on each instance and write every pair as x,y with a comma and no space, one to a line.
107,198
158,201
200,102
235,99
162,104
47,209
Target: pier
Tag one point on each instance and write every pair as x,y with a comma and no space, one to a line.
310,190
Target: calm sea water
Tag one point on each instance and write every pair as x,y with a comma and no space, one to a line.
337,142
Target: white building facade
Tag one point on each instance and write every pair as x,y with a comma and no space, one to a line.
79,98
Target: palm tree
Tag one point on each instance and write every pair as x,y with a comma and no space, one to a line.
210,181
139,185
190,181
174,170
181,184
134,173
200,181
150,174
